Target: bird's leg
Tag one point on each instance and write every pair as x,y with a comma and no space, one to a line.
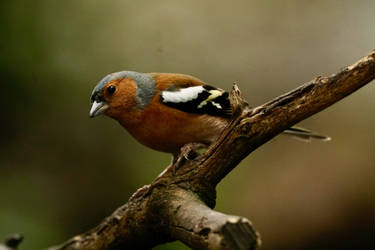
190,151
170,166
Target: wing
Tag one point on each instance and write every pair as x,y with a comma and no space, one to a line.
202,99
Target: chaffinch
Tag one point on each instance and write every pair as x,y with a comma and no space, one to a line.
165,111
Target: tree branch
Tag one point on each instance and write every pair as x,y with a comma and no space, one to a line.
255,127
178,206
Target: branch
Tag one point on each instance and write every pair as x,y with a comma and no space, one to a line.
178,205
255,127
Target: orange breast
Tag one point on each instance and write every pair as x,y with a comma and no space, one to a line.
167,129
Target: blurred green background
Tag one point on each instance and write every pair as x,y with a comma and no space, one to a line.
61,172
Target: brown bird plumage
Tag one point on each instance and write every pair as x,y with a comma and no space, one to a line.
166,111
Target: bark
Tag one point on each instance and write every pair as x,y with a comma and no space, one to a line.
178,205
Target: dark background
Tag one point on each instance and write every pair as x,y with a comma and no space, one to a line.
61,172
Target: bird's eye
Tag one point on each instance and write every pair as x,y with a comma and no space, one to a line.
111,89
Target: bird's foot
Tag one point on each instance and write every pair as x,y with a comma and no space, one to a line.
140,192
189,152
169,168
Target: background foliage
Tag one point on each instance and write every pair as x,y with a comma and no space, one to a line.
61,172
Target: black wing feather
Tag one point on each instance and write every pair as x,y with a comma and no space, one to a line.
204,103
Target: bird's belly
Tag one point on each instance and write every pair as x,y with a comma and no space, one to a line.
168,133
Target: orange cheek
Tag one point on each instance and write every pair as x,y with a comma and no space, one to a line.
123,100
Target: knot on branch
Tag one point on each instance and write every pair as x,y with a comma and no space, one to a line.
237,103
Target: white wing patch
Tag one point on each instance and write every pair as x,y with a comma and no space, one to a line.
203,99
182,95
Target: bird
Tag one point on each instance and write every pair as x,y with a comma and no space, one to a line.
165,111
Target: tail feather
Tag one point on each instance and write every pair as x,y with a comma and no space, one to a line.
305,134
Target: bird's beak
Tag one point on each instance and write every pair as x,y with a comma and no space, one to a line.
98,108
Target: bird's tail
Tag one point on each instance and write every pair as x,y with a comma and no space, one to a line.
305,134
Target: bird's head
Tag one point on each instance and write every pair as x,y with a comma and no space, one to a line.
121,91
